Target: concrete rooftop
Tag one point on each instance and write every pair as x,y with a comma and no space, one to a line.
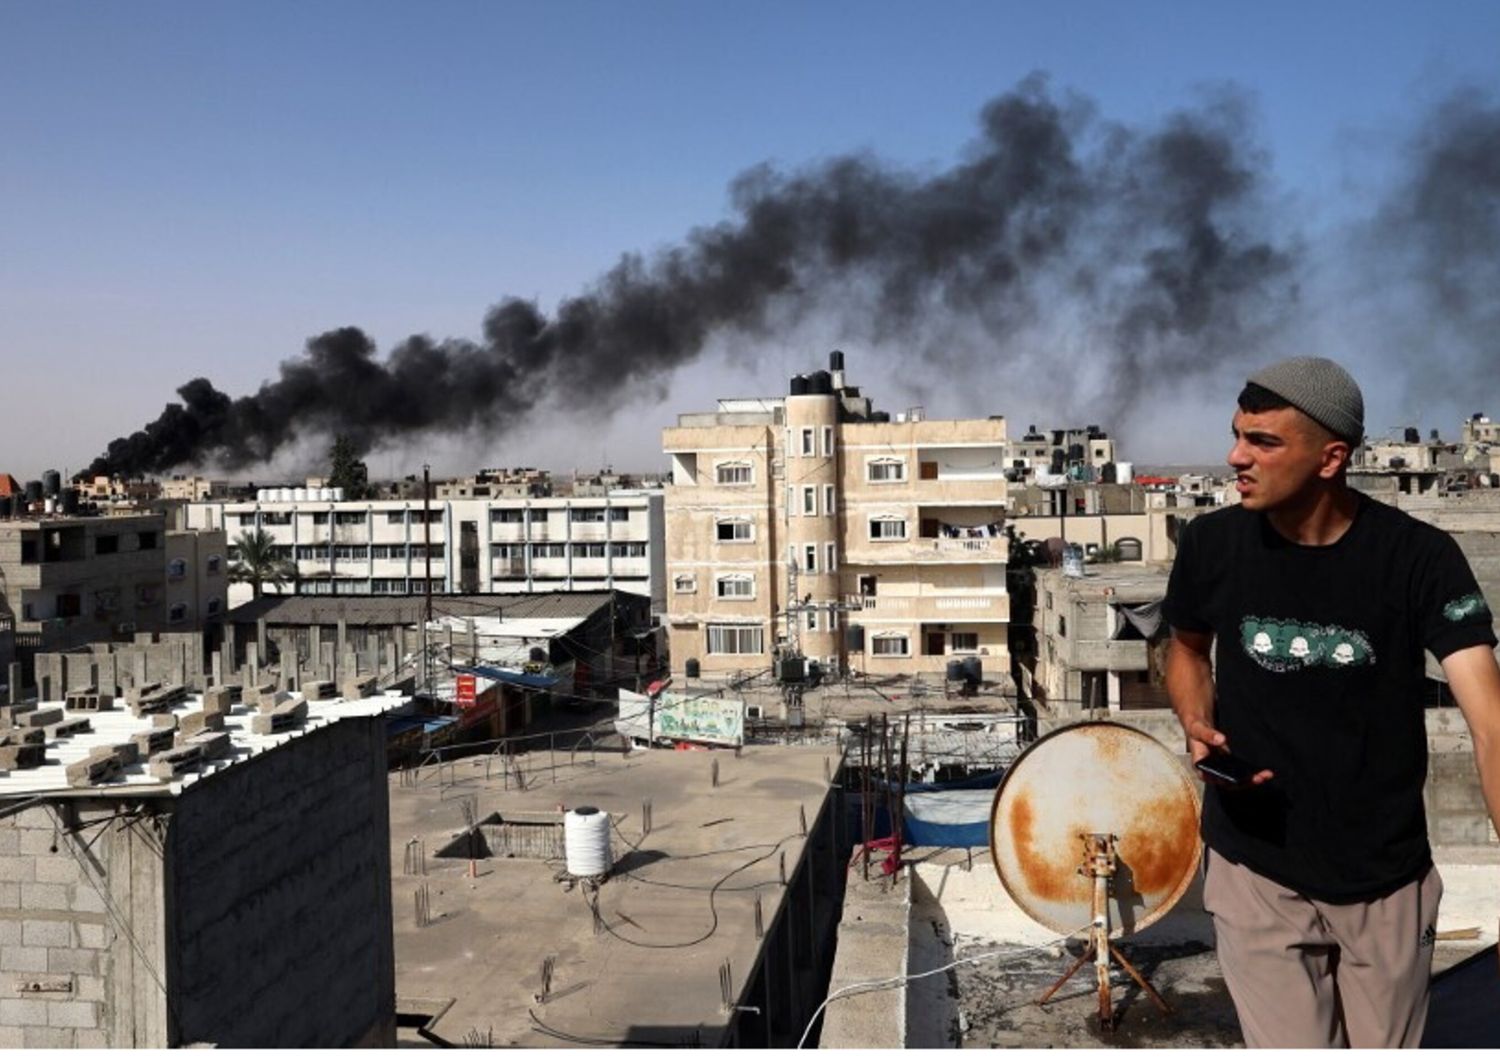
679,904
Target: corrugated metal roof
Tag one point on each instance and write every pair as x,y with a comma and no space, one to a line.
409,610
121,726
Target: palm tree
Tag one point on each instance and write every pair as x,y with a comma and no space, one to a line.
256,562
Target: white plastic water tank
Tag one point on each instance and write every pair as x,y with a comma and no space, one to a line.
586,841
325,493
299,493
1124,471
338,493
262,495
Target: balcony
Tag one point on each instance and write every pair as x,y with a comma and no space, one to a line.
508,568
992,607
921,550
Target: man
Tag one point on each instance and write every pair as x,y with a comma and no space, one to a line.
1320,602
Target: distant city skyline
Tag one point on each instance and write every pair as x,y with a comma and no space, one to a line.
198,191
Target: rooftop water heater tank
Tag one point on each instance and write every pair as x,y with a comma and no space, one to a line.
51,483
586,842
338,493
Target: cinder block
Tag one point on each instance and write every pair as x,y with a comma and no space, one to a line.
60,869
39,841
47,933
359,687
41,718
95,769
92,936
164,721
10,896
89,701
50,1037
17,1012
23,959
219,699
87,900
200,721
212,744
12,1038
44,896
77,1014
316,690
10,932
283,718
12,715
164,765
90,987
91,1039
18,869
133,694
149,743
68,960
259,693
63,729
22,756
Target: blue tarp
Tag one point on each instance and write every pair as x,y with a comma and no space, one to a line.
510,677
953,818
395,726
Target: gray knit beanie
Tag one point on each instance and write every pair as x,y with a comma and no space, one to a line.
1320,388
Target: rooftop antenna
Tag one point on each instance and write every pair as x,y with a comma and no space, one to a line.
1128,808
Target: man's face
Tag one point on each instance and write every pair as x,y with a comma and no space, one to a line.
1279,454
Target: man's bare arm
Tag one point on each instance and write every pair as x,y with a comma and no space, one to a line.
1474,679
1190,685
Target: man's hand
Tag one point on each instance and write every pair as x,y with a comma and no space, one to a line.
1191,688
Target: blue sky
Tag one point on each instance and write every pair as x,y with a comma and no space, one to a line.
196,188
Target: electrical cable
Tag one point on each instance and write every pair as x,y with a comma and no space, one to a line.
593,903
872,985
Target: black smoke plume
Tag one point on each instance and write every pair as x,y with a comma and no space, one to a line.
1155,241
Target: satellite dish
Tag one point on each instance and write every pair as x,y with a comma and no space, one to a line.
1096,824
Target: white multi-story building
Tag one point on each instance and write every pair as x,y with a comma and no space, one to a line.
475,545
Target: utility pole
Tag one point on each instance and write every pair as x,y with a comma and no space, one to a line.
427,580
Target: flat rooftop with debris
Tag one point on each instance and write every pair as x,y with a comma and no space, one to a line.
509,950
47,745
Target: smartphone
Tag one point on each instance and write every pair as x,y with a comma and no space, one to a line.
1228,768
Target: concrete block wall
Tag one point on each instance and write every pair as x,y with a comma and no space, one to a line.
279,924
67,974
177,659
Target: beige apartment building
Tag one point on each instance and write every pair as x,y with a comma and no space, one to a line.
811,523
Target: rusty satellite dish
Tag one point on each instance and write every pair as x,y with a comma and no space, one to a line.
1096,824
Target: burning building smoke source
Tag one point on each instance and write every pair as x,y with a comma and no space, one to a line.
1156,240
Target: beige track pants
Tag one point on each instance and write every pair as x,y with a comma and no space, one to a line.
1305,973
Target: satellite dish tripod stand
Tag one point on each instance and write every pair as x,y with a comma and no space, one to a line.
1100,861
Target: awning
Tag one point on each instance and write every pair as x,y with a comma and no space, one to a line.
1146,618
509,677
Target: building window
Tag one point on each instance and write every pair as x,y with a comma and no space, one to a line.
964,642
586,515
890,644
177,568
395,518
215,561
809,500
507,515
735,640
146,540
145,595
312,552
810,558
177,613
734,530
588,550
827,441
549,551
735,587
735,473
319,518
275,519
628,549
809,439
247,520
812,619
619,515
349,518
885,469
214,605
106,545
685,583
830,558
828,508
887,529
359,552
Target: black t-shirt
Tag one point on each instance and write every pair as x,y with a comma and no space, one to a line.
1319,667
